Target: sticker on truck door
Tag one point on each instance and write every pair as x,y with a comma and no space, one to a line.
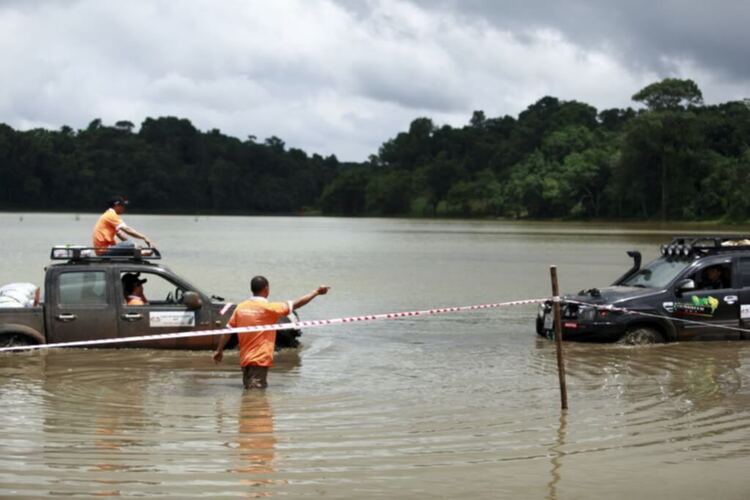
168,319
698,306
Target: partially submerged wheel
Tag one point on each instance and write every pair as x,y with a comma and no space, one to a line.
642,335
15,340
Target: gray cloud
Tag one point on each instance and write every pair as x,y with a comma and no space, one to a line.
647,34
342,77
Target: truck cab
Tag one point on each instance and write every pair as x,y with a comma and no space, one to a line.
85,300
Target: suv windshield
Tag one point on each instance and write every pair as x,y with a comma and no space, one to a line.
657,274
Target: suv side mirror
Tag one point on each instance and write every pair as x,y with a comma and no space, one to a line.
192,300
684,286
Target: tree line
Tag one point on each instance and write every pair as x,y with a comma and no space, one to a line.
675,158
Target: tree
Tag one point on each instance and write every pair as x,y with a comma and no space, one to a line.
560,143
665,139
585,176
95,124
346,194
478,120
670,94
388,193
125,126
275,143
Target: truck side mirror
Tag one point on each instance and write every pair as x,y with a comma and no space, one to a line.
192,300
684,286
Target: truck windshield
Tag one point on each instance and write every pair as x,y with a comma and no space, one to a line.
657,274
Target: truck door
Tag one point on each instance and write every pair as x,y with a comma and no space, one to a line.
743,268
163,312
80,306
712,309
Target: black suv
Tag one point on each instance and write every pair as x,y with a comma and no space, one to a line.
699,289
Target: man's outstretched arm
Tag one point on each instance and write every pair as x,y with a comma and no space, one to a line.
321,290
135,234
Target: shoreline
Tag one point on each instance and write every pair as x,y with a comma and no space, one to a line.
627,222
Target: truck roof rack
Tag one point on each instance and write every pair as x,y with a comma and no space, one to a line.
82,253
686,246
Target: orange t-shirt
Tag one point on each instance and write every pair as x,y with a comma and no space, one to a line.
256,348
134,300
106,229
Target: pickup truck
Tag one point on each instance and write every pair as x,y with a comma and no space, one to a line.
84,300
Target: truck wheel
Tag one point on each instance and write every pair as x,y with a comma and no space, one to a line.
15,339
642,335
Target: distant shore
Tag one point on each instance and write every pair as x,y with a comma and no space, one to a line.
703,225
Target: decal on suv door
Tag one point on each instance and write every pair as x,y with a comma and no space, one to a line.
698,306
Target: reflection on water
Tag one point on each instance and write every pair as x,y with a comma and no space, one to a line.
256,441
449,406
556,455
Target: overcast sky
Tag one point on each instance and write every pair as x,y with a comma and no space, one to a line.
341,77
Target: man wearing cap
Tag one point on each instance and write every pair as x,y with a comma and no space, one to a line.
713,279
110,226
256,348
132,286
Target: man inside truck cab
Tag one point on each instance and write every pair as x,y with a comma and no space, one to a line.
132,287
714,278
110,226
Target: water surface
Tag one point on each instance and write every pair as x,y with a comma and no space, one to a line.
446,406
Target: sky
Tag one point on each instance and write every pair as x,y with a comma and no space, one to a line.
342,77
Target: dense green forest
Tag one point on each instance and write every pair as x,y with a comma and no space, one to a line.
675,158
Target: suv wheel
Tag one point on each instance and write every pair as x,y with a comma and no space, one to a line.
642,335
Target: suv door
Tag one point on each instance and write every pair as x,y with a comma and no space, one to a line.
163,313
713,304
743,271
80,306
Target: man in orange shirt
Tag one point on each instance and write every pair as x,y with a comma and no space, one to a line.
256,349
110,226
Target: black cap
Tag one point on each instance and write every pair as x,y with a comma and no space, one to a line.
118,200
132,280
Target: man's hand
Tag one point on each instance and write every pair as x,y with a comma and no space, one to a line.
323,289
218,355
148,242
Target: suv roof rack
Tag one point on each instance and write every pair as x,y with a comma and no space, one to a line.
82,253
685,246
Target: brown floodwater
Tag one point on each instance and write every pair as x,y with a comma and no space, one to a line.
446,406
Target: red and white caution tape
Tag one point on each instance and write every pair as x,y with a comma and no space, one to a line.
276,326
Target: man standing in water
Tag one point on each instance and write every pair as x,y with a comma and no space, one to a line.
110,226
256,349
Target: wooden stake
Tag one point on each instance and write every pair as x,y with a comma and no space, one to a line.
558,338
